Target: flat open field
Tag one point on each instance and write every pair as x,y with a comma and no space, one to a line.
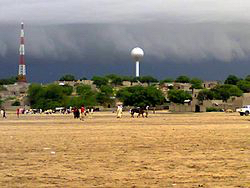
164,150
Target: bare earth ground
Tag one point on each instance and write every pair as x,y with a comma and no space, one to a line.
165,150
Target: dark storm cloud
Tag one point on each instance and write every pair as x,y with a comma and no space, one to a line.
89,11
91,33
191,43
176,28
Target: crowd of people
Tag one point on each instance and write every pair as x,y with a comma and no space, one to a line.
82,112
79,113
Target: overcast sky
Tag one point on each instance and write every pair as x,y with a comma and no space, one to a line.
205,38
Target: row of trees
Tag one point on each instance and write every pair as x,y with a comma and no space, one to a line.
141,96
243,84
52,96
233,86
49,97
220,92
117,80
111,78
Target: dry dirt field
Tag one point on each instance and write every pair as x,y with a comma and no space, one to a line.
164,150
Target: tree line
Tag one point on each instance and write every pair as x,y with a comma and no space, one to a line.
53,95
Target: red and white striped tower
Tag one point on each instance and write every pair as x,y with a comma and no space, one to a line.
22,68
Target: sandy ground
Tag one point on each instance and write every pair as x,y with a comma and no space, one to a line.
164,150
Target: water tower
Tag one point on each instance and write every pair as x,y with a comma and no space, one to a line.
137,54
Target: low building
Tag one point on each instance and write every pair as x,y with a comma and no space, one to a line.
210,84
182,86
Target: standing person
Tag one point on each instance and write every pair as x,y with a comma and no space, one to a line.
4,114
74,109
82,113
77,113
147,108
91,112
17,112
119,111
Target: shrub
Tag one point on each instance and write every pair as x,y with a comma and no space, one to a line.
2,88
16,103
67,77
213,109
178,96
183,79
141,96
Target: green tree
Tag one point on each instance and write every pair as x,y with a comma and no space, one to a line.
205,94
224,92
53,92
67,77
16,103
99,81
247,78
111,76
196,83
8,81
87,96
115,79
244,85
36,96
166,80
126,78
2,88
140,96
46,97
84,78
1,102
67,89
135,79
147,79
232,79
183,79
76,101
84,90
178,96
105,96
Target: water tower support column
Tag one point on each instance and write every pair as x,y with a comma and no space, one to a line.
137,69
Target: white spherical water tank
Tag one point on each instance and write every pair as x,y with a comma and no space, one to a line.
137,54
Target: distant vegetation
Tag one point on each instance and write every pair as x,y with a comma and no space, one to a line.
233,86
220,92
2,88
67,77
16,103
48,97
213,109
8,81
178,96
110,89
183,79
141,96
52,96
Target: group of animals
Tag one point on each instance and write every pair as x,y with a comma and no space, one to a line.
139,111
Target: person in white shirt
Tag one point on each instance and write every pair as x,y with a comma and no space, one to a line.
119,111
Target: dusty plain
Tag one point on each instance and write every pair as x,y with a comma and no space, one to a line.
164,150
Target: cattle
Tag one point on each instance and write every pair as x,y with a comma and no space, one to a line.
139,111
